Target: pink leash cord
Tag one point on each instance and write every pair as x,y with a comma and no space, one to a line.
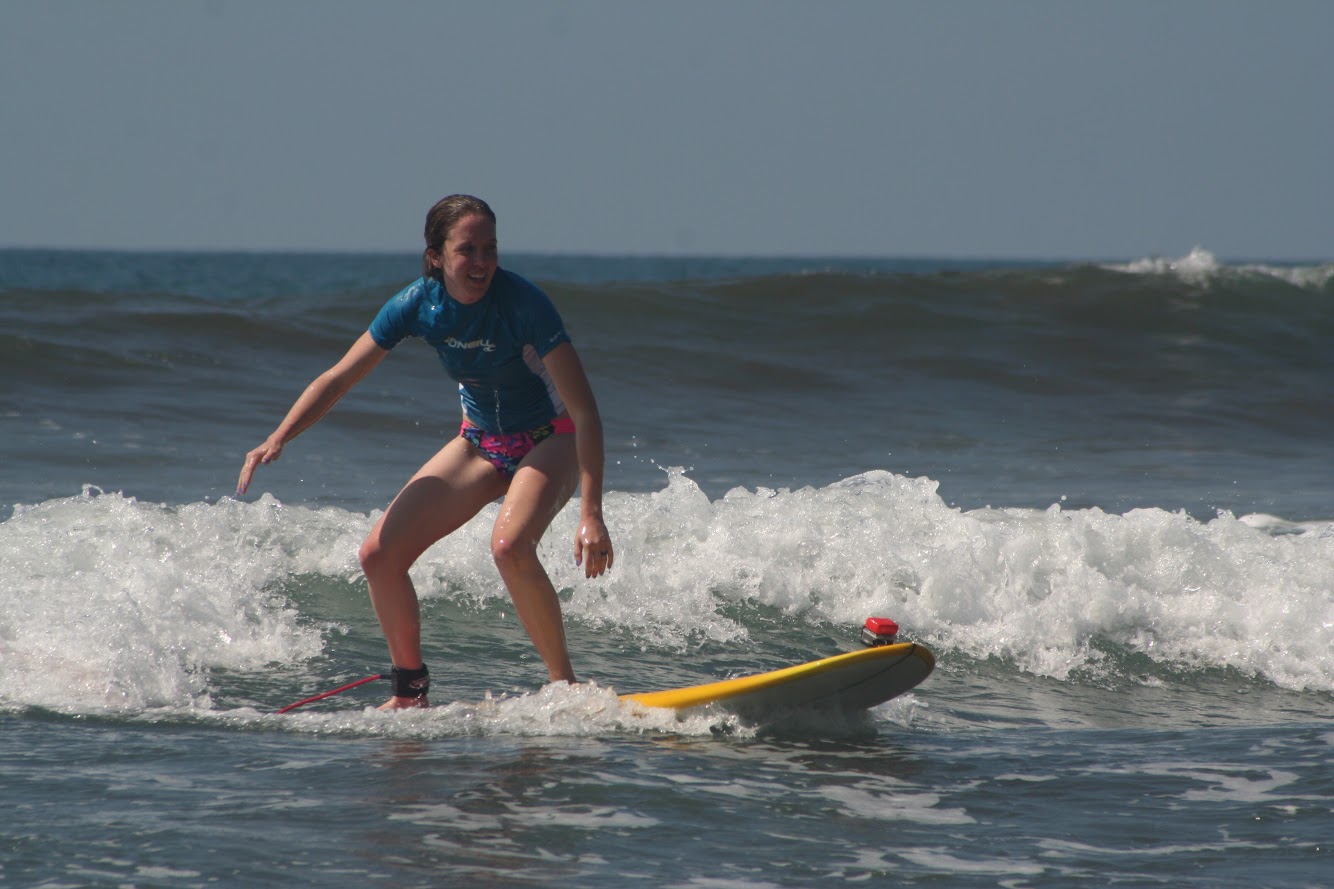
327,694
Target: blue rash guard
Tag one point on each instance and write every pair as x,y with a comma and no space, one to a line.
493,347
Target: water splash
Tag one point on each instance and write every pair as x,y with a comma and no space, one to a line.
108,603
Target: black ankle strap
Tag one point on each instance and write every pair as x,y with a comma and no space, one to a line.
410,683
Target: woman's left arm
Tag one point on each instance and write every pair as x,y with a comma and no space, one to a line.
592,543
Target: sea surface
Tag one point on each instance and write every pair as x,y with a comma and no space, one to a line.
1100,492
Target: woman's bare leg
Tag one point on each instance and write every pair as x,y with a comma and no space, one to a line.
445,493
543,484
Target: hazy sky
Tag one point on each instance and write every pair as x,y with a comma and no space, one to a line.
973,128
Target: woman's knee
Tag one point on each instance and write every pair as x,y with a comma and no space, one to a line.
375,558
510,553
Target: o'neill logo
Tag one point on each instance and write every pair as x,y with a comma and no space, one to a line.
484,345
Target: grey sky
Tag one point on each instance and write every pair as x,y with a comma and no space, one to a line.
970,129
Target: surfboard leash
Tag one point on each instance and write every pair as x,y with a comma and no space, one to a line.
328,694
407,682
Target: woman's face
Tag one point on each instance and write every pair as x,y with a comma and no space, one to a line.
469,258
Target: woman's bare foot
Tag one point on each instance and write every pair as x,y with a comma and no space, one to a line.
400,703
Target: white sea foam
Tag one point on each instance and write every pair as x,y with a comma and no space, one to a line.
1196,265
1199,266
111,603
1039,586
106,602
557,710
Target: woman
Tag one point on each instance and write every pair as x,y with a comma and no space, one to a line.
531,432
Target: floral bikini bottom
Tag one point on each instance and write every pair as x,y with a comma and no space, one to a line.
506,449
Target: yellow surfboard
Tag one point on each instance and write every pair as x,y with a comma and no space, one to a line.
848,682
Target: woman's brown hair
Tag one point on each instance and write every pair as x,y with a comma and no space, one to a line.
442,218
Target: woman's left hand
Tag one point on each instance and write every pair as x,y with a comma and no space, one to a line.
592,546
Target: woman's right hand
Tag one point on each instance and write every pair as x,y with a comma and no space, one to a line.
266,453
313,403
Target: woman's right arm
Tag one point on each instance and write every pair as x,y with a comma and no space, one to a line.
314,403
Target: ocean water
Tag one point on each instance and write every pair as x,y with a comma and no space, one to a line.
1099,492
